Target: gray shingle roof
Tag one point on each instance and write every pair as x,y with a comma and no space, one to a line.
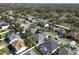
47,47
40,37
13,36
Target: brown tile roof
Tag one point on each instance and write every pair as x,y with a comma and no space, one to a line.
74,34
18,44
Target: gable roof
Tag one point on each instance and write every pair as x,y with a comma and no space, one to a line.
40,37
61,31
13,37
19,46
47,47
74,35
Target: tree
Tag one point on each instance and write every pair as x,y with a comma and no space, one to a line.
53,20
30,41
76,22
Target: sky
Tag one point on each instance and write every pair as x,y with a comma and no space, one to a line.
39,1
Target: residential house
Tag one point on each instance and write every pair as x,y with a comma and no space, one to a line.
22,24
13,37
62,32
40,38
19,46
9,12
48,47
30,18
17,43
74,35
32,30
4,25
45,24
19,14
11,17
48,26
41,24
73,43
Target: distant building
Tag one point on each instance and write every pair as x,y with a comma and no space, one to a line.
32,30
9,12
44,24
4,25
73,43
48,26
73,35
11,17
22,25
62,32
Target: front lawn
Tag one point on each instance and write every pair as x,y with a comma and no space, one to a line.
4,51
36,51
2,42
67,39
54,32
66,25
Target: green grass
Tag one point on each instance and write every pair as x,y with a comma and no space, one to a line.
36,51
67,39
4,51
55,42
54,33
0,37
66,25
77,44
2,42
